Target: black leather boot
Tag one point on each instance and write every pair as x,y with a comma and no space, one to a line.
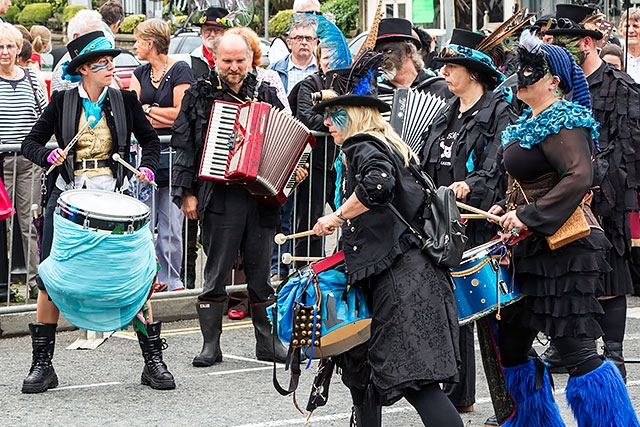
41,376
210,317
552,359
155,373
264,337
362,416
613,352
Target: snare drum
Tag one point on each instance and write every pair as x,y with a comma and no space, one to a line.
103,211
102,262
316,312
481,283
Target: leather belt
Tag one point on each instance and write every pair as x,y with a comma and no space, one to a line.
90,164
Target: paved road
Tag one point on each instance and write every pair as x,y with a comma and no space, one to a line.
101,387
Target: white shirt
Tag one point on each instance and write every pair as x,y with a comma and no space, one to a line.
633,67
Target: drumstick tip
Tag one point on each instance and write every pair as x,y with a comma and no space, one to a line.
280,238
116,157
286,258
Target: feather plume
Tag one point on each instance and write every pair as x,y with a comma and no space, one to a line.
530,42
505,30
370,41
331,37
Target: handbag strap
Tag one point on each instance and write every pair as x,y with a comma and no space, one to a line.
33,88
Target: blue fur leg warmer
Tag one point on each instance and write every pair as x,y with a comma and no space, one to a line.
600,399
534,407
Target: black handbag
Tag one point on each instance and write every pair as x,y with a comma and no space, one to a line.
442,236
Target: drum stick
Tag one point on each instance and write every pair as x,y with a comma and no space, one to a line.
71,143
281,238
287,258
119,159
478,211
472,216
34,210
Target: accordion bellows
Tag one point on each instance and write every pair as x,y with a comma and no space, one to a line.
255,145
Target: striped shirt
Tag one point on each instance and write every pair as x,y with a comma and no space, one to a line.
18,107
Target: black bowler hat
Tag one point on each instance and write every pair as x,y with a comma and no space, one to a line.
215,16
396,29
87,48
355,86
569,19
461,50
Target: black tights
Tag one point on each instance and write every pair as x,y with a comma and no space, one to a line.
433,406
579,354
614,319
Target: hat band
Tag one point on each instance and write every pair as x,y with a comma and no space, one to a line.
222,22
478,56
100,43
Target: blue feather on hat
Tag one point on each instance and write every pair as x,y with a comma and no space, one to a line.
332,38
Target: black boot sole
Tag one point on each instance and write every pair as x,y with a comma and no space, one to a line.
40,388
201,362
157,385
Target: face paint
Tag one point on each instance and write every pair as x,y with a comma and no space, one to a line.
572,44
394,55
338,117
101,64
531,67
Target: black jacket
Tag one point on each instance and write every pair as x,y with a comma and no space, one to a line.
190,130
372,241
477,146
51,122
424,83
615,102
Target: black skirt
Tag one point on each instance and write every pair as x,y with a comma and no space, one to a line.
414,330
561,286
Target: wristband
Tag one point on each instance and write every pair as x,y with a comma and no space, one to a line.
339,215
148,172
147,110
52,156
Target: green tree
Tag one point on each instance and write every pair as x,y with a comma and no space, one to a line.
346,13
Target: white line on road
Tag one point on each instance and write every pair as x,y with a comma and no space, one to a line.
237,371
71,387
344,416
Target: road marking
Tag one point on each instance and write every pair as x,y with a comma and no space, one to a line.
186,331
239,371
344,416
71,387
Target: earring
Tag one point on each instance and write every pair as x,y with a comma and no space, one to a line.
557,93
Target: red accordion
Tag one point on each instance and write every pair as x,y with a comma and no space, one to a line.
256,145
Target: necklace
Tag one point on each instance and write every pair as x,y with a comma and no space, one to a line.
164,70
14,74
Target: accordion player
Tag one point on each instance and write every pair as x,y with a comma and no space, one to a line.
256,145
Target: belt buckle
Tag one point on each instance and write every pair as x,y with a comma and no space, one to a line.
86,162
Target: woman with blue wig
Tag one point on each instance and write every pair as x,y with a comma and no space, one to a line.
107,290
548,157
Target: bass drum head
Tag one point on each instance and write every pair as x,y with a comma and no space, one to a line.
103,204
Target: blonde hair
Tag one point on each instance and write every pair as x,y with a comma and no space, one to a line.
41,37
157,31
254,43
12,33
369,120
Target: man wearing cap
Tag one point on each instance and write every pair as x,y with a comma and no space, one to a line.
403,66
630,32
231,218
615,100
213,24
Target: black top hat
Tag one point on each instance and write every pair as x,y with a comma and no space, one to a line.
461,50
569,19
396,29
87,48
215,16
356,85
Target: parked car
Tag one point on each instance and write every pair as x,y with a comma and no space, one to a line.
186,42
125,63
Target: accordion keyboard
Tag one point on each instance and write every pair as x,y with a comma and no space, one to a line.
216,150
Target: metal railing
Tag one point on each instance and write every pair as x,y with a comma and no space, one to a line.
327,245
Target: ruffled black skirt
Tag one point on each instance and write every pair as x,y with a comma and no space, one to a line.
560,287
414,330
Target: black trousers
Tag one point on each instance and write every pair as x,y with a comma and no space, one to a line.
226,229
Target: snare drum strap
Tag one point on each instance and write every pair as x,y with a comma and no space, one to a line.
117,107
70,125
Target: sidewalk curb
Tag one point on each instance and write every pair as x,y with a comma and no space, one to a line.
167,306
